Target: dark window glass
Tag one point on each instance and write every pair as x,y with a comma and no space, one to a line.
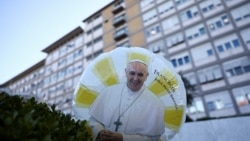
218,24
186,59
220,48
204,9
174,62
228,45
246,68
238,70
236,43
202,31
210,52
189,14
230,72
211,106
180,61
211,6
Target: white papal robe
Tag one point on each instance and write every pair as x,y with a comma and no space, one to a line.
141,113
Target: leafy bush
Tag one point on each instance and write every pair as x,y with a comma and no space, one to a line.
29,120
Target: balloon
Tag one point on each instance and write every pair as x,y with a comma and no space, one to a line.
109,69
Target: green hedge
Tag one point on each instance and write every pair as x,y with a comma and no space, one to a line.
29,120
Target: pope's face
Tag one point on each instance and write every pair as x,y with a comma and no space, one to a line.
136,73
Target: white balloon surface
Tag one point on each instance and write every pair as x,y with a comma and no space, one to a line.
108,69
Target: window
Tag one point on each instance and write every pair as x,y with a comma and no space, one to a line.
239,70
227,43
153,30
246,68
210,52
121,31
180,61
96,40
195,32
97,27
89,32
145,3
202,31
237,67
241,13
175,39
189,14
191,78
210,5
157,46
166,7
186,59
123,44
246,37
236,43
225,20
211,106
210,74
180,2
171,22
174,62
78,53
242,95
89,44
149,15
218,101
197,106
218,22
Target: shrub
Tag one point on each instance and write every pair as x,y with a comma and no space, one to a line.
29,120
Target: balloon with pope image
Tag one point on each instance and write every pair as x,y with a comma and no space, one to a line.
108,69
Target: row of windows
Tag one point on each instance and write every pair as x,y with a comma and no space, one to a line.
32,80
28,88
64,61
94,55
221,101
171,24
58,89
234,68
202,54
238,70
68,48
97,27
225,46
229,45
95,41
66,72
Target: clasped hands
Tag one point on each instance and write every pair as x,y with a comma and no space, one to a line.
106,135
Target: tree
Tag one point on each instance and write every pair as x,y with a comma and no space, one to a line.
190,90
26,119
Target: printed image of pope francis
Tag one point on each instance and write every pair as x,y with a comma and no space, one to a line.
128,111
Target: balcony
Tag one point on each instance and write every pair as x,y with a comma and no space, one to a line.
121,34
117,8
119,20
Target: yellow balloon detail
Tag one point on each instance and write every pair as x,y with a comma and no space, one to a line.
105,71
138,56
173,117
164,83
84,96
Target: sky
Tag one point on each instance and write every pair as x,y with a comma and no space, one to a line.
29,26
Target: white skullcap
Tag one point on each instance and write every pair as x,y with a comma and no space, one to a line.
137,60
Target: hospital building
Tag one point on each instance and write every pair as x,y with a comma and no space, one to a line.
207,41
